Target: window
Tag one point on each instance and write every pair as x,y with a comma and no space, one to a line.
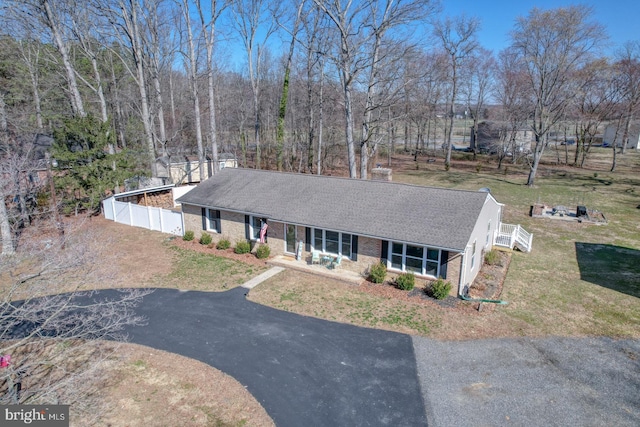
415,259
213,220
256,226
433,262
486,243
473,255
397,256
332,242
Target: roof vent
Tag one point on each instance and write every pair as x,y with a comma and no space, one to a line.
485,190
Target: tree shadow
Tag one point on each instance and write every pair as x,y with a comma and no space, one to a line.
610,266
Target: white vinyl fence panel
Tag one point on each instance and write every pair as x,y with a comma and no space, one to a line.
147,217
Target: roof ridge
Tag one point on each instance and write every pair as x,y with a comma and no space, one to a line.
345,178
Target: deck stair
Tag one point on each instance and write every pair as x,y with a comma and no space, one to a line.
514,236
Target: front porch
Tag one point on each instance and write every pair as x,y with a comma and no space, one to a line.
338,273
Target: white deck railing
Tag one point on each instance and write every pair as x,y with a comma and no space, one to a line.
510,236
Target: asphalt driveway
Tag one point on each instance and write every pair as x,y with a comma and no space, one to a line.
531,382
310,372
304,371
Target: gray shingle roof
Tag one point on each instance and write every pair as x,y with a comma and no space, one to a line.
429,216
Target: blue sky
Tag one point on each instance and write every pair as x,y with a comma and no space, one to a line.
619,17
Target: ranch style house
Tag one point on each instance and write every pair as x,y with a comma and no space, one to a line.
432,232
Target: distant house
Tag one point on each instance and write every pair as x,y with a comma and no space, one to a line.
186,169
432,232
610,138
492,134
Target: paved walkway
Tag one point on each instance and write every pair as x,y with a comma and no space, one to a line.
262,277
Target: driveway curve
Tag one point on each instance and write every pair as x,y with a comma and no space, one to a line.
304,371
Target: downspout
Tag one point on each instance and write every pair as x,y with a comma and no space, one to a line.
463,271
463,289
494,301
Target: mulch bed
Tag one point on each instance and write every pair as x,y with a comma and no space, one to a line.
488,285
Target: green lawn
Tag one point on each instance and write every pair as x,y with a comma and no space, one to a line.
205,272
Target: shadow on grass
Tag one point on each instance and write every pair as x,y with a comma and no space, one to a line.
610,266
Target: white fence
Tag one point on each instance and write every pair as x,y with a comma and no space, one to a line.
147,217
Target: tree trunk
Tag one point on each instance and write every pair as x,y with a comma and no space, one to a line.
193,82
537,154
320,118
3,114
5,229
76,99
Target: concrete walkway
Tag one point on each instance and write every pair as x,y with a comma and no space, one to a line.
262,277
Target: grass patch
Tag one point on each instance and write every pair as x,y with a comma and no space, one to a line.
328,299
205,272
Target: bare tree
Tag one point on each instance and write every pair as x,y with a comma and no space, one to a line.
282,110
553,45
478,87
51,336
208,24
35,15
457,37
126,22
594,104
191,65
254,25
627,69
512,93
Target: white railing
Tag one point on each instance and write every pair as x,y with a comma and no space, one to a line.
510,236
147,217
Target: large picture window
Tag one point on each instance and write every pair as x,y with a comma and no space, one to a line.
414,259
332,242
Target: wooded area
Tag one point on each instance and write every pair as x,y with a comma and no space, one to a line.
304,86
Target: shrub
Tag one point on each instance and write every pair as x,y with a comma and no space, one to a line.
378,272
439,289
492,257
242,247
205,239
263,251
406,281
223,244
188,236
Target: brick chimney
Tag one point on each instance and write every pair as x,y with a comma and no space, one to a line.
381,174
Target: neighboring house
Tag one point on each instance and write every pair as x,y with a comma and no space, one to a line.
186,169
610,136
432,232
492,135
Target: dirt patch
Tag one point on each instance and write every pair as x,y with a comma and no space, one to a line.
150,387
